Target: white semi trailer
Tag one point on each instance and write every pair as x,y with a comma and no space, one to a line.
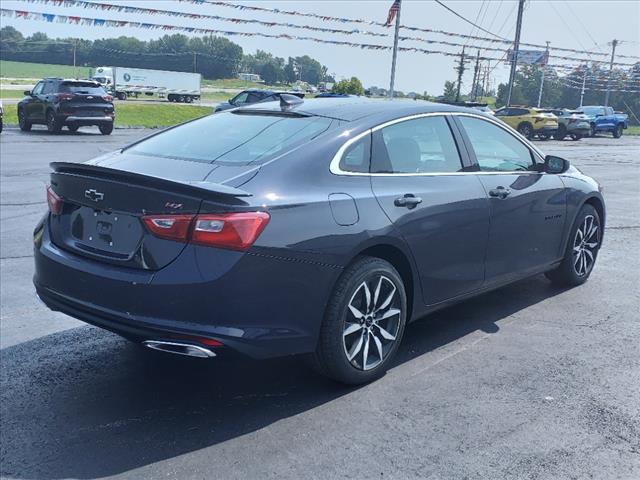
125,82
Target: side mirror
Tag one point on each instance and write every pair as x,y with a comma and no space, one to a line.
231,102
599,114
553,164
27,93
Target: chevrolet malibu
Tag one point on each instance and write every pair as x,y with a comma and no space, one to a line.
316,227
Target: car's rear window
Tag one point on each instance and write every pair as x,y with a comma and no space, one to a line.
236,138
89,88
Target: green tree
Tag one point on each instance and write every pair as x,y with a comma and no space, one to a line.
449,94
349,87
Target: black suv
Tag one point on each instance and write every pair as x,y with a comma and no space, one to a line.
56,102
254,95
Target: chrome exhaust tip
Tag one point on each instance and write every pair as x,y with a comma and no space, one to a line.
187,349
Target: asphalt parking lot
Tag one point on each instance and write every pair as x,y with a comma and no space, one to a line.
527,382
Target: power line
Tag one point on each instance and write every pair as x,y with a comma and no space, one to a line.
469,21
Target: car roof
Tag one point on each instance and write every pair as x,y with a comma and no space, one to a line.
356,108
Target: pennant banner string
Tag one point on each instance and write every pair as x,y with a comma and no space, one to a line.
97,22
381,24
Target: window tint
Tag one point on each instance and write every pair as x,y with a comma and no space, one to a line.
87,88
423,145
502,112
254,97
240,98
519,111
593,111
49,87
356,157
233,138
496,150
37,90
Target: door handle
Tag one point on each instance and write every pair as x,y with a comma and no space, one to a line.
500,192
409,200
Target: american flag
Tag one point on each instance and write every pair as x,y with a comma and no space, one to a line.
393,11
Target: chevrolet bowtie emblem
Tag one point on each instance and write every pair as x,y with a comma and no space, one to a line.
93,195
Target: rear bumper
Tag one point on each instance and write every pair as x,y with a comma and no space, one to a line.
258,305
74,118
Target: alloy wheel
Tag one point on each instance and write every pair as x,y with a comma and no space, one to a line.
585,245
372,322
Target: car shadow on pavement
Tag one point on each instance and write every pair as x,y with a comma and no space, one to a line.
84,403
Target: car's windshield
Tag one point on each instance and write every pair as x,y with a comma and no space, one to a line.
237,138
88,88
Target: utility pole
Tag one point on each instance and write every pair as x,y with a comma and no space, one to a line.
584,82
614,44
476,77
195,62
516,47
460,69
395,51
544,68
75,47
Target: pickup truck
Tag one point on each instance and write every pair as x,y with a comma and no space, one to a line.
604,119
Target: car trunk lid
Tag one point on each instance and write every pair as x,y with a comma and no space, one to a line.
102,209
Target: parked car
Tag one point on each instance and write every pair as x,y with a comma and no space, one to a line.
529,122
572,123
253,95
604,119
309,227
56,102
1,116
334,95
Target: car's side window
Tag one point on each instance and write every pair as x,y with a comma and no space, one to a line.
240,98
37,90
422,145
502,112
356,157
48,88
496,149
253,97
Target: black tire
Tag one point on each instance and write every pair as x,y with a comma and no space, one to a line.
121,96
526,130
180,99
72,127
54,125
572,272
188,99
331,355
560,133
592,130
25,125
575,136
617,132
106,128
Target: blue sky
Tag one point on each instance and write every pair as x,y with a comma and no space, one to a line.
581,25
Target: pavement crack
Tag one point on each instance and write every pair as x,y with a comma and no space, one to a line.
12,257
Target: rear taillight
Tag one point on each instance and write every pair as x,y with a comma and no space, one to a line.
64,97
169,227
107,98
55,202
235,231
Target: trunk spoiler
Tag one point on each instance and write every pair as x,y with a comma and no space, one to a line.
195,187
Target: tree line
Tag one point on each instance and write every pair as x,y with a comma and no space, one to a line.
213,57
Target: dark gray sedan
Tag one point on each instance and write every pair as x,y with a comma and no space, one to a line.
317,227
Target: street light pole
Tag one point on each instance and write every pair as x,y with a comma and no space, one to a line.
544,68
516,47
614,44
584,82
